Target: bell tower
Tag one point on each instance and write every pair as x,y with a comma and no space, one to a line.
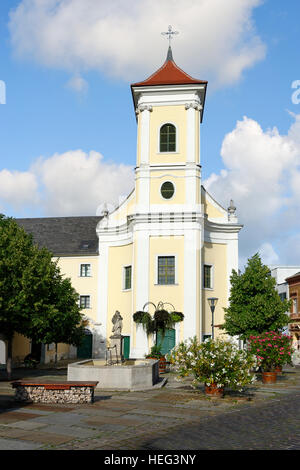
169,106
169,231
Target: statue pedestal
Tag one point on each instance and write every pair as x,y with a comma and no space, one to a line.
116,347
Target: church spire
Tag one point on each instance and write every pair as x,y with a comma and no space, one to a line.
170,54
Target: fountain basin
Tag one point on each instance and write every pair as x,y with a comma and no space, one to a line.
133,374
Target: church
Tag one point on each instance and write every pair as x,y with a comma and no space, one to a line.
168,242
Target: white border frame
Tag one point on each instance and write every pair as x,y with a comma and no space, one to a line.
156,269
212,276
83,264
158,139
123,277
174,186
86,295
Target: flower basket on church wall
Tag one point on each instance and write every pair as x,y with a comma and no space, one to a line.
160,322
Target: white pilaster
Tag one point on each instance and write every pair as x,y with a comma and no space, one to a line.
141,290
191,133
102,298
191,251
144,133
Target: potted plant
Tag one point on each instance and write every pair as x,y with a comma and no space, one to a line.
273,350
156,353
216,363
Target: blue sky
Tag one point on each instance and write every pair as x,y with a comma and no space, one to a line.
64,96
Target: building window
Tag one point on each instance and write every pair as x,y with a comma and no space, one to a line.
295,305
85,270
282,296
166,270
207,276
85,301
167,190
167,138
127,277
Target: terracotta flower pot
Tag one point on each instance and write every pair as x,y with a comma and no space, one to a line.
162,362
269,377
213,391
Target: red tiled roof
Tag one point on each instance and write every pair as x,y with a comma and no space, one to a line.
169,74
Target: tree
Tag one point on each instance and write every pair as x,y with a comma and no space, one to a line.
35,300
254,303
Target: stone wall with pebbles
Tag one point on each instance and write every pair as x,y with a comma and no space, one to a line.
50,393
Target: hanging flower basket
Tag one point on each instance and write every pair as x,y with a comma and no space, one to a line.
161,321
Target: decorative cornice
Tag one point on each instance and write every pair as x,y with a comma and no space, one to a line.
194,104
143,107
222,227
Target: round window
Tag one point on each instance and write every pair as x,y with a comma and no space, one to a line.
167,190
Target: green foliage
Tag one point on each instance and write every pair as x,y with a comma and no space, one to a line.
161,320
35,300
254,303
155,352
214,362
272,349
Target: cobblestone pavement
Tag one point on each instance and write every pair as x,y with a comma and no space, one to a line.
172,418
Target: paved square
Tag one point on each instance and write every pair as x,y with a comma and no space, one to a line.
173,418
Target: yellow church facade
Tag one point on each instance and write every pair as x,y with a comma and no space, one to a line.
169,241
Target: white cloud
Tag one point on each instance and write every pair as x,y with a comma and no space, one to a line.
72,183
78,84
268,254
262,176
17,189
217,39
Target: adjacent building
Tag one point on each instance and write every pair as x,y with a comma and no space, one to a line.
294,294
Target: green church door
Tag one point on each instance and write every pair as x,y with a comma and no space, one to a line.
126,347
168,342
85,350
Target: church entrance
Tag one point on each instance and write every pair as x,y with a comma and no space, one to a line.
85,350
126,346
168,342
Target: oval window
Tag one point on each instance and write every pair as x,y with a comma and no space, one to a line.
167,190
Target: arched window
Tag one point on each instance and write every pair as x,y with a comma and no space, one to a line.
167,138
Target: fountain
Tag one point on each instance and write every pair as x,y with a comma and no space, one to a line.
115,373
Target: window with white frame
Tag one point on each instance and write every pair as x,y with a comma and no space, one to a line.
85,301
166,270
85,270
208,276
295,305
167,138
127,275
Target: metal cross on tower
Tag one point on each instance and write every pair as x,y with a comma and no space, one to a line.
170,34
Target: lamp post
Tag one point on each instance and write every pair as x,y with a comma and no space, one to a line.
212,303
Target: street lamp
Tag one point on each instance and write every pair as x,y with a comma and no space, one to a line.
212,303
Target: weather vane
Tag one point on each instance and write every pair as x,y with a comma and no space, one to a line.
170,34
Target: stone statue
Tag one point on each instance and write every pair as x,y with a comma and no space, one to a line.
117,324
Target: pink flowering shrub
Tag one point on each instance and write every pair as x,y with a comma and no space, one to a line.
272,349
